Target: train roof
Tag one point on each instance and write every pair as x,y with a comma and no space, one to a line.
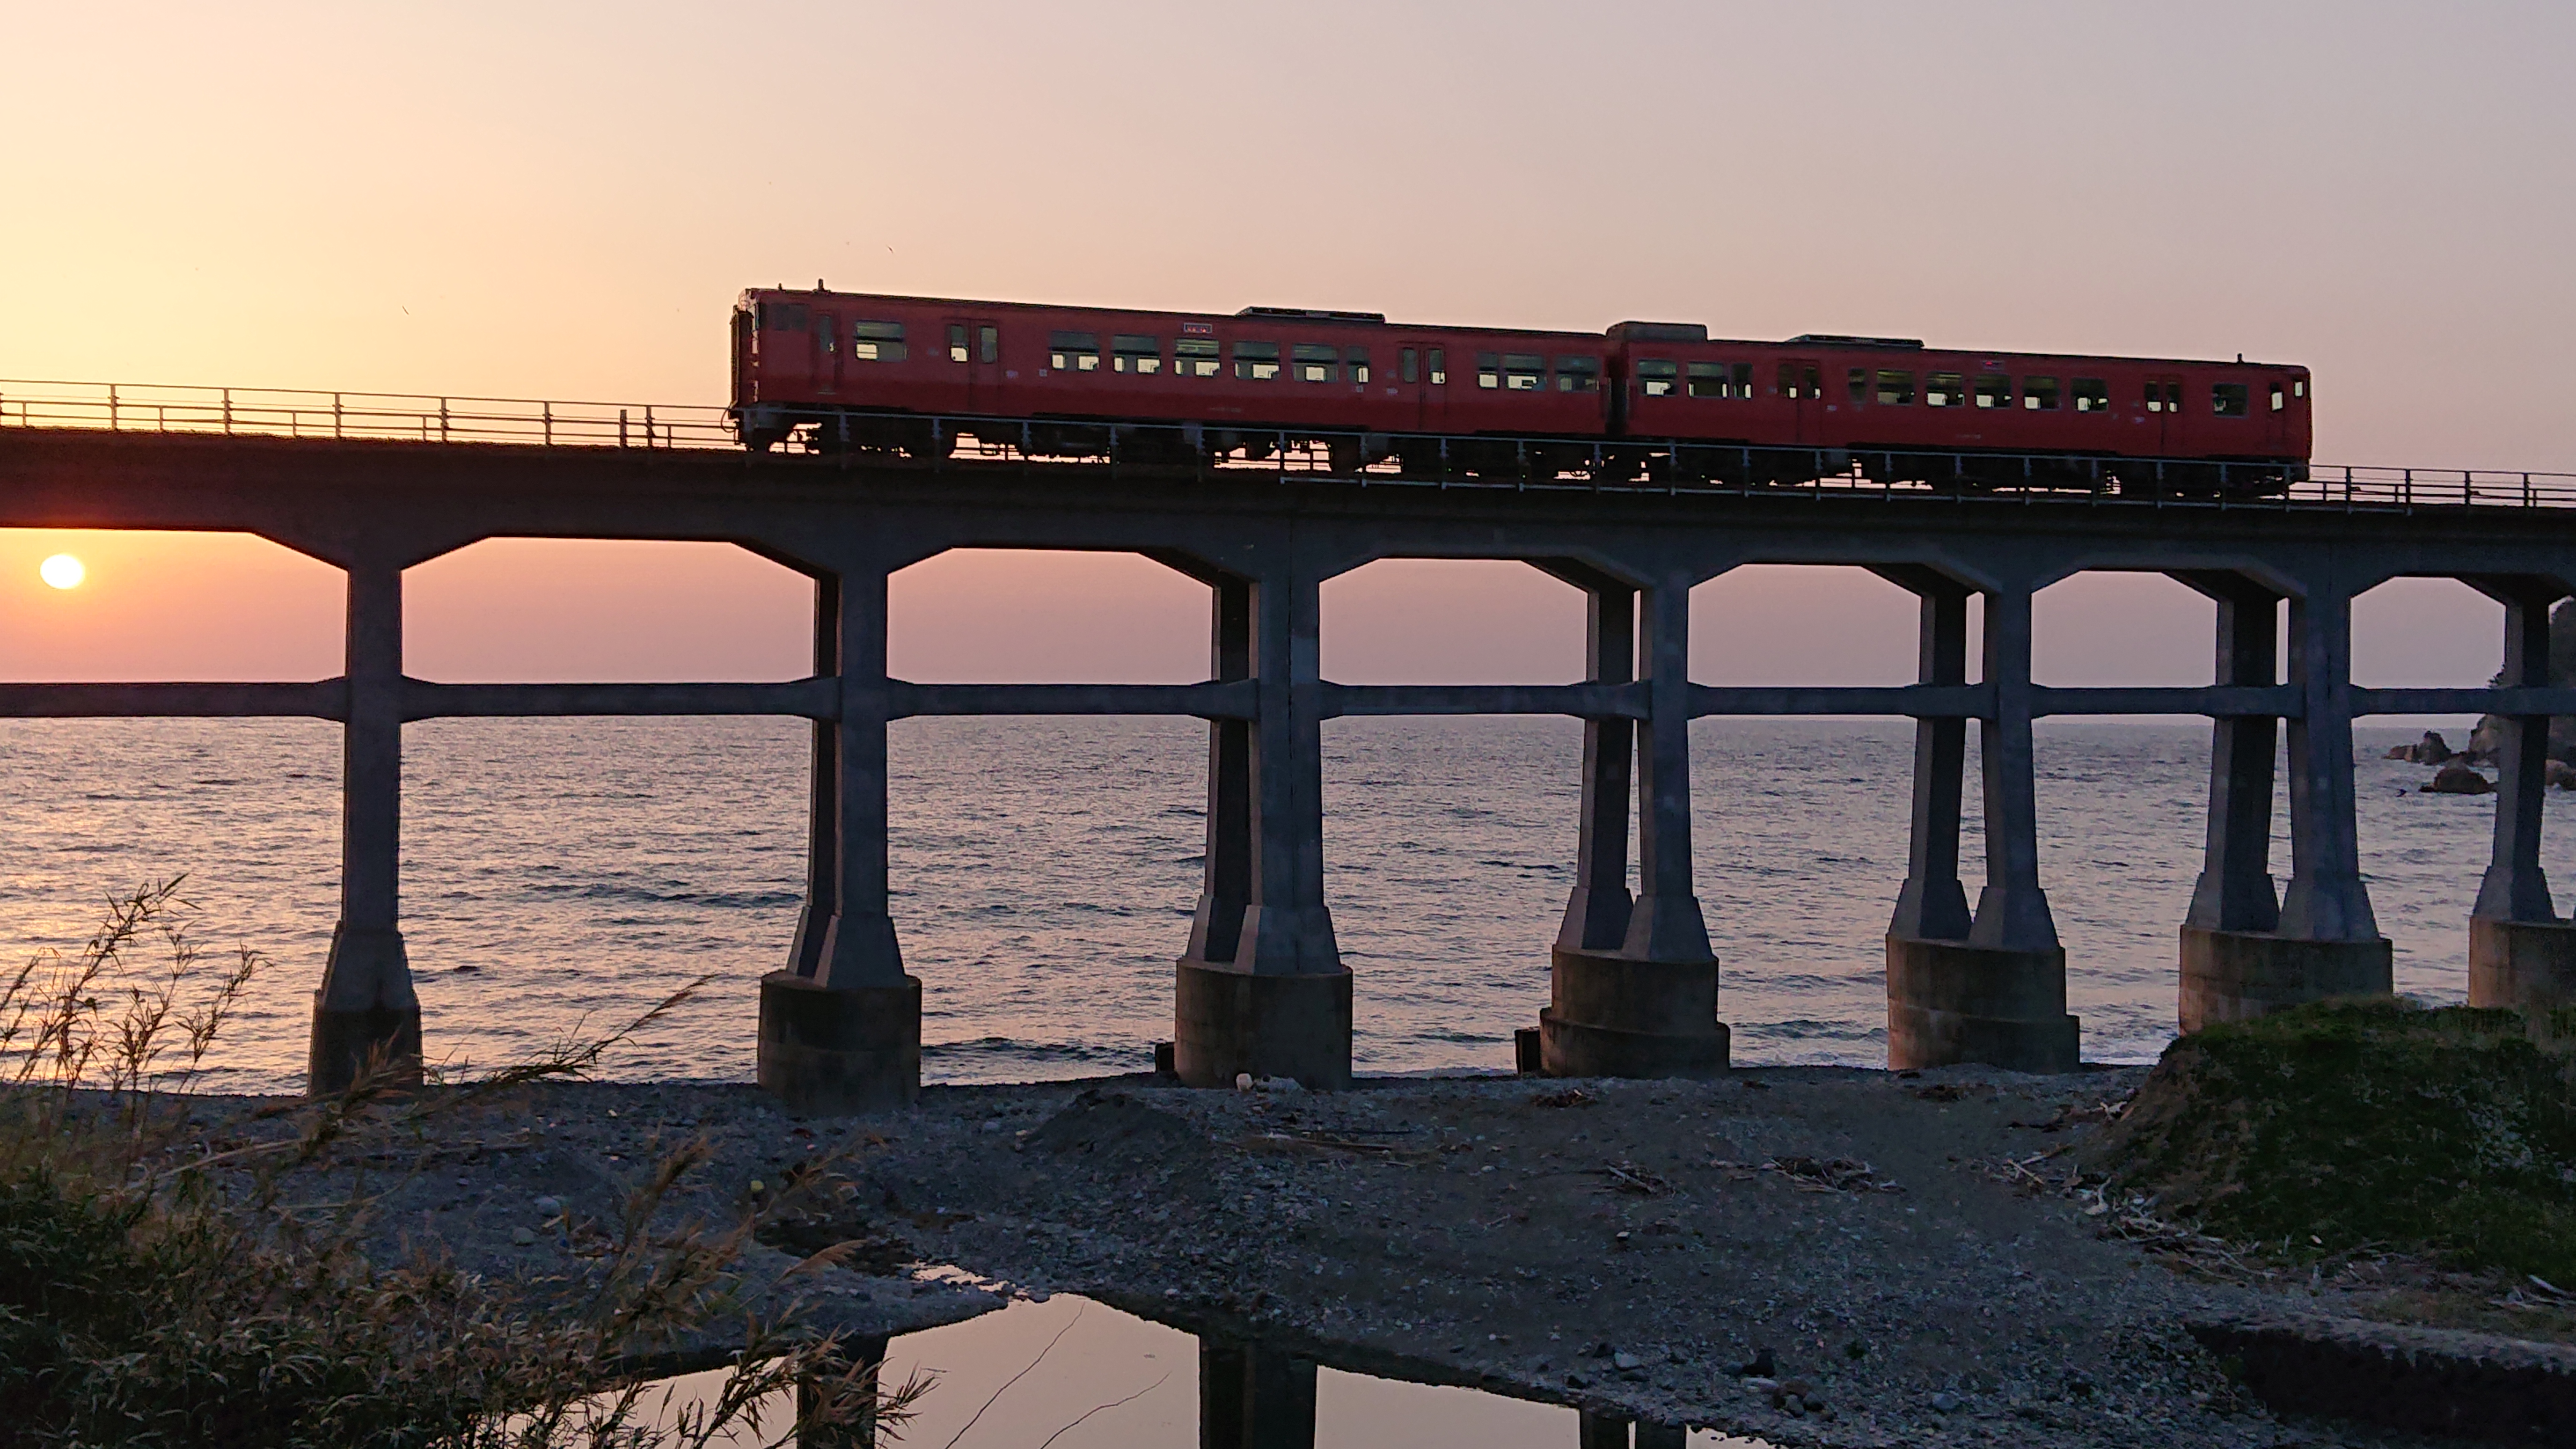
1689,333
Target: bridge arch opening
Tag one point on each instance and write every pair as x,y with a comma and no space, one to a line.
1449,840
1799,822
1044,867
247,809
2426,850
561,610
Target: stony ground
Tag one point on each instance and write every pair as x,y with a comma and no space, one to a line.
1813,1255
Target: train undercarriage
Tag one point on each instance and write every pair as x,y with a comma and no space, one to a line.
1485,458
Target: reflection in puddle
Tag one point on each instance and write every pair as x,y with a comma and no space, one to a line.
1071,1373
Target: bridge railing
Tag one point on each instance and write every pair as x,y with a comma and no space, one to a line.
1308,455
371,416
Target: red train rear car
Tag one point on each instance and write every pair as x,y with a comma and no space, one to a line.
852,371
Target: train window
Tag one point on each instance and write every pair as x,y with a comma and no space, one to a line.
2164,397
1707,379
1357,357
957,342
1800,380
2227,399
824,336
2039,394
875,342
2091,395
1656,377
1895,386
782,316
1945,390
1315,362
1578,374
1524,372
1073,351
1859,383
1409,365
1437,362
1992,390
2298,387
1489,369
988,344
1140,355
1194,357
2278,402
1256,361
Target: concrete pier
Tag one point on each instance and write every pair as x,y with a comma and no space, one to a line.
2521,951
1632,984
1261,990
365,1014
1259,986
1987,986
840,1028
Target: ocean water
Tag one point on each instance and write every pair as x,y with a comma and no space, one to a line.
560,876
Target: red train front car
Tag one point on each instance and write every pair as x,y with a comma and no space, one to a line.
851,371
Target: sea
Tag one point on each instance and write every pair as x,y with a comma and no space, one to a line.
561,876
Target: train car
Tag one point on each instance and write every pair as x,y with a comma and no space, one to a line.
861,371
864,371
1978,418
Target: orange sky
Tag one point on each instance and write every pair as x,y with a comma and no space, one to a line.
560,201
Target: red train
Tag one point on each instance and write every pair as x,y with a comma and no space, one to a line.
1656,399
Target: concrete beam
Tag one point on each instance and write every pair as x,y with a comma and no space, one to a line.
1918,701
2216,701
1583,701
818,699
2523,701
1232,699
320,699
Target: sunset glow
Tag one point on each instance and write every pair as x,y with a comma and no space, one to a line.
62,571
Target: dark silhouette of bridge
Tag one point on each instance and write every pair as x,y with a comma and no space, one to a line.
373,486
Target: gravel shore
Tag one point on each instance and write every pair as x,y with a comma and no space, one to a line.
1818,1256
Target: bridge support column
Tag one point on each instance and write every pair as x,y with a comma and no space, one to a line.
840,1029
2521,953
2327,943
1995,992
1262,989
365,1009
1254,1397
1632,988
2235,964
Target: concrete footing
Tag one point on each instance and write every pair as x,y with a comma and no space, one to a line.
835,1051
1228,1023
2237,975
1950,1002
2522,963
344,1041
1608,1016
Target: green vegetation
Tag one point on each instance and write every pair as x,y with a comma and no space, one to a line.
159,1287
2347,1126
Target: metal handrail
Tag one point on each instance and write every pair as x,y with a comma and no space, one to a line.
1148,449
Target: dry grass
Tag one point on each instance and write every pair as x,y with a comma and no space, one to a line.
158,1290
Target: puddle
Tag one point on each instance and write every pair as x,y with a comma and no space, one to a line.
1074,1373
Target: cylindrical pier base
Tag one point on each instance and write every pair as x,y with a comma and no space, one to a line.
2238,975
2522,963
1231,1023
343,1042
1612,1017
1950,1002
836,1051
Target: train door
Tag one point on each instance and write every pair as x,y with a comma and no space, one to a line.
1422,371
2164,409
975,355
2274,398
1802,383
827,351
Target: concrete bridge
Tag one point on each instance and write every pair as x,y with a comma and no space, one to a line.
1259,985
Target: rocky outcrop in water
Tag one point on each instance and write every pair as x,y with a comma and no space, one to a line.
2456,779
2430,750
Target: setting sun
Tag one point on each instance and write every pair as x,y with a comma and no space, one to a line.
62,571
